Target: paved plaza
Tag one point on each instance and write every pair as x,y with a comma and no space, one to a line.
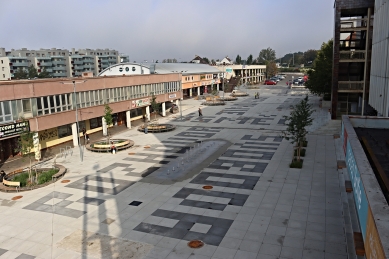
149,201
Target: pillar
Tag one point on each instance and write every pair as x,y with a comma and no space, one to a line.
177,103
198,90
128,119
190,92
105,130
163,109
37,149
148,113
75,135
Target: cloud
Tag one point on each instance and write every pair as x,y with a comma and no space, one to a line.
150,30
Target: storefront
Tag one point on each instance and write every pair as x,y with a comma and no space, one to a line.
9,139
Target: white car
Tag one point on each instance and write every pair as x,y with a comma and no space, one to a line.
281,77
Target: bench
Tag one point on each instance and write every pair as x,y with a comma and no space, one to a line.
10,183
61,172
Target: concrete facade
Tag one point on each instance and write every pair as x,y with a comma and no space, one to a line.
351,57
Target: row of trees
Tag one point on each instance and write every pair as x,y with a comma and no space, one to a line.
31,72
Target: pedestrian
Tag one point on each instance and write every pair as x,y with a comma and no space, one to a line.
87,137
113,148
144,118
83,132
200,112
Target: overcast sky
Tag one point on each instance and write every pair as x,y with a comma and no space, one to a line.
159,29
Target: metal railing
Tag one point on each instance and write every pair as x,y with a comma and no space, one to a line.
352,55
64,151
350,85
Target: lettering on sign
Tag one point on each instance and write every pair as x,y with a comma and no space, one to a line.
358,189
13,129
48,134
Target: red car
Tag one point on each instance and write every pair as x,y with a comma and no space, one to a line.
270,82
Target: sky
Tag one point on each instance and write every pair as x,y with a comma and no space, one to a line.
161,29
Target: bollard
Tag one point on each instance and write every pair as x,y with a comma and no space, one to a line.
173,168
168,172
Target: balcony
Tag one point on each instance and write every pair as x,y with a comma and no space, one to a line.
20,64
45,64
350,86
354,24
77,62
78,67
59,68
89,66
58,62
352,56
59,75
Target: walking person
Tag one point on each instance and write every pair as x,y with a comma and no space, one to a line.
200,112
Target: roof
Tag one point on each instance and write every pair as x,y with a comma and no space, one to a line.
184,68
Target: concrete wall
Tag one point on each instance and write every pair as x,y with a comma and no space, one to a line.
370,203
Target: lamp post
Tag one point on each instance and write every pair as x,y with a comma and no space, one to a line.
75,102
224,64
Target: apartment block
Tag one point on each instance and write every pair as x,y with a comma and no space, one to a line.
59,62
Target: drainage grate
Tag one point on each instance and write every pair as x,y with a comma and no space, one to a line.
135,203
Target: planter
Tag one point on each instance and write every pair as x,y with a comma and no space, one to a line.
302,152
296,164
157,128
103,146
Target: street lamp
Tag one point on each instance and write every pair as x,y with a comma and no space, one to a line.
75,102
224,63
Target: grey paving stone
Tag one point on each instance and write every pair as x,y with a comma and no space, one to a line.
25,256
291,252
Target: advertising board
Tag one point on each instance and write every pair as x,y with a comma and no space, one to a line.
360,199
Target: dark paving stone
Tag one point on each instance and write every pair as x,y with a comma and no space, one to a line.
25,256
2,251
135,203
92,201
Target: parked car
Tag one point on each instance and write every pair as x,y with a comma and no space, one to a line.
281,77
270,82
296,81
275,79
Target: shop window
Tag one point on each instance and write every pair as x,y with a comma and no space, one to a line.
96,122
136,112
64,131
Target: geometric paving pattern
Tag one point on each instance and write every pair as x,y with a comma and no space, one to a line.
234,170
61,204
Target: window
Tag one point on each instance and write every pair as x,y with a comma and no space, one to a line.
121,69
127,69
3,75
26,105
3,68
5,111
64,131
96,122
133,68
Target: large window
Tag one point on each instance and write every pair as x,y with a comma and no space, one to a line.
5,111
54,103
96,122
64,131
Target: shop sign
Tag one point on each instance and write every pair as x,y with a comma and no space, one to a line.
139,103
13,129
358,190
172,96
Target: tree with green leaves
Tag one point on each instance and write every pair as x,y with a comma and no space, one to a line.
26,146
249,60
32,72
44,74
21,73
108,118
205,60
299,119
154,105
320,76
309,56
266,55
238,60
271,69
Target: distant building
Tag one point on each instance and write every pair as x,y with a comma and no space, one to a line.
226,61
58,62
199,60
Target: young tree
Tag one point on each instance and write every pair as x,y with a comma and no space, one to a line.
108,118
299,119
309,56
154,106
320,76
26,145
205,60
21,74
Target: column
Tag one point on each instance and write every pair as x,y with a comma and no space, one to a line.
148,113
177,102
128,119
190,92
37,149
198,90
74,134
163,109
105,131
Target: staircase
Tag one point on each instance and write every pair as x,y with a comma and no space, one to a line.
234,81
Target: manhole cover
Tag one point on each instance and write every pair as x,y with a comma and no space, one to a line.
207,187
146,146
195,244
131,153
65,181
16,198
